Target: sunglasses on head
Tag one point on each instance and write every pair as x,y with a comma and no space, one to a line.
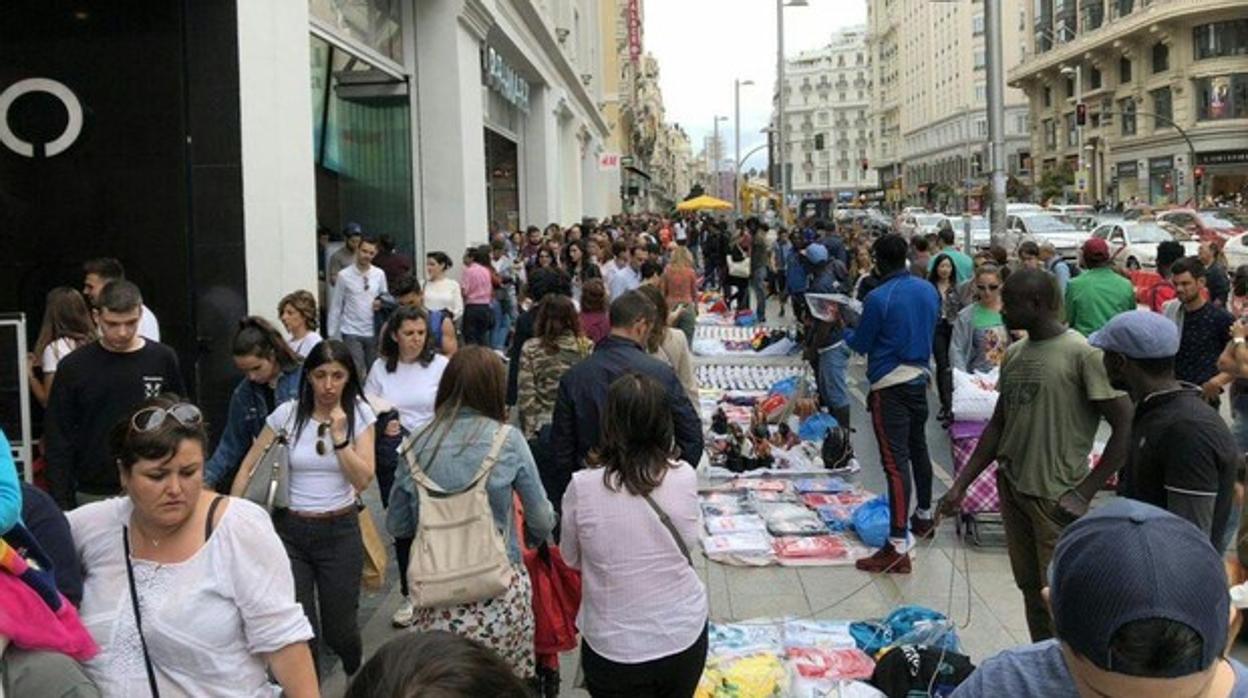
152,418
987,287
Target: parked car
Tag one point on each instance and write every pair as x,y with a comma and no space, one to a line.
1137,211
1236,251
1203,225
1081,220
1043,228
1133,244
1023,208
920,223
981,230
1070,209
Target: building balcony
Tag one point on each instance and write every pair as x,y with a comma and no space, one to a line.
1125,19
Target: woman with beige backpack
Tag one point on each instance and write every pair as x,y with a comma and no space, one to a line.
454,499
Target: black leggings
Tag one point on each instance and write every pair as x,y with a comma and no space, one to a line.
738,292
673,676
944,373
478,319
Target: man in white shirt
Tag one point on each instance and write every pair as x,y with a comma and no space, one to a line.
624,276
97,273
353,301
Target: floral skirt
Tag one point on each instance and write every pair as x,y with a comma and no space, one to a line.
503,623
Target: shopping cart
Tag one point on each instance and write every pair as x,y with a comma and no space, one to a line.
981,506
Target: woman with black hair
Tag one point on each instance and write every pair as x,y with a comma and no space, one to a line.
406,379
580,266
441,292
329,429
944,277
270,377
643,608
477,283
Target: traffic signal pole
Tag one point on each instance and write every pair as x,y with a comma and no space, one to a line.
996,117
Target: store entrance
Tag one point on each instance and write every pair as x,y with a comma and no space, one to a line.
502,181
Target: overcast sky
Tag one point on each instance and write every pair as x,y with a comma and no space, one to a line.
703,45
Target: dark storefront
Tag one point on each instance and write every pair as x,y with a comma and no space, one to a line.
153,178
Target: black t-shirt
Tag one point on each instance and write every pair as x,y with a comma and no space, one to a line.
95,389
1181,445
1205,334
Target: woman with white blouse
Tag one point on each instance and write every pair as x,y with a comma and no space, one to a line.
643,608
330,432
206,574
442,293
406,378
298,314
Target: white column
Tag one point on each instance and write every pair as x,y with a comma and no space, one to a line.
452,121
279,190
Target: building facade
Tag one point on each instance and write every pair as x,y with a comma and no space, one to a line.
930,101
205,143
1165,89
827,126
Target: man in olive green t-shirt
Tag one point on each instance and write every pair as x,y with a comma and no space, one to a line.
1099,293
1054,392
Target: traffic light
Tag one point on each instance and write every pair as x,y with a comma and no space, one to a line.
818,141
1081,114
1198,174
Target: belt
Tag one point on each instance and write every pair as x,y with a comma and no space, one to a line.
322,515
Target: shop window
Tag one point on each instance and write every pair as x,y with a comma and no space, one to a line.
1162,108
1127,108
1124,70
1222,97
1220,39
1047,95
377,24
1161,57
1072,133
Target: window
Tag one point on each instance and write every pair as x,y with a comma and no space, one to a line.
1050,135
1127,108
1220,39
979,60
1070,88
1048,96
823,177
844,175
1161,57
1124,70
977,25
1162,108
981,128
1094,78
823,117
981,92
1020,123
1072,133
1222,97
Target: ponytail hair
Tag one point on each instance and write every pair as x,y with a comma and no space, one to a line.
258,337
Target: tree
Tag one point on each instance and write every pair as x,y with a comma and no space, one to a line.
1014,189
1054,182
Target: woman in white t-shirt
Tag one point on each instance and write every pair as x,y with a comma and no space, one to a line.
298,314
330,430
442,293
406,379
207,574
67,325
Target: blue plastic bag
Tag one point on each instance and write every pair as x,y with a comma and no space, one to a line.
906,625
871,522
786,386
816,427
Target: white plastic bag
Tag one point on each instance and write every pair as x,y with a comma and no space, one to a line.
974,395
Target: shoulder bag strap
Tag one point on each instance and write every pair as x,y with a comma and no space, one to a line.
138,617
667,523
422,479
212,511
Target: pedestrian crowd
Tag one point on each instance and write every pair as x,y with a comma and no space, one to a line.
535,397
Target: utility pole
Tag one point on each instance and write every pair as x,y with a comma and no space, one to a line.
996,116
781,145
716,148
736,134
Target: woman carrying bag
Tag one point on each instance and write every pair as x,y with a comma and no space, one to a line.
643,608
468,444
739,273
187,592
329,429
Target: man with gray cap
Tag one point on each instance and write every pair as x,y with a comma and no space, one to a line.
1140,603
1182,456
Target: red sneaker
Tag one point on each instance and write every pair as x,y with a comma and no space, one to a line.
922,528
886,559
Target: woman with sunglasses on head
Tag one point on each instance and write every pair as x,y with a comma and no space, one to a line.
471,410
979,335
330,432
206,574
270,370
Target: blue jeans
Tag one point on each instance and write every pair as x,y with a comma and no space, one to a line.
758,282
502,326
831,376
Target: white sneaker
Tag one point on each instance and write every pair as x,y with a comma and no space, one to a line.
403,617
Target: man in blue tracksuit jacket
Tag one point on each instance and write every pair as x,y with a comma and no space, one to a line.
895,332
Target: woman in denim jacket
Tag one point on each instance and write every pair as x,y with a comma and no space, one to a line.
470,409
270,377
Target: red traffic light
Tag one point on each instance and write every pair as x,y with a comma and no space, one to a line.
1081,114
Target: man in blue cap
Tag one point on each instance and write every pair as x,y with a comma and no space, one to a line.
1182,456
1141,609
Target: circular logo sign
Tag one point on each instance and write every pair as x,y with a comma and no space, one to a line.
56,146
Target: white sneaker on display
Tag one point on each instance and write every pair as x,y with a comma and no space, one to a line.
404,616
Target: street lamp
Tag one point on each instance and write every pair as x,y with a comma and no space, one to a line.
1077,73
781,144
736,134
719,190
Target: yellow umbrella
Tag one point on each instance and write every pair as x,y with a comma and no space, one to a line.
703,202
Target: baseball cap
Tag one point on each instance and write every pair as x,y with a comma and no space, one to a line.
1095,250
816,253
352,229
1138,334
1128,561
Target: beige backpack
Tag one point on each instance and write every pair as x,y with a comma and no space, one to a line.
458,555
